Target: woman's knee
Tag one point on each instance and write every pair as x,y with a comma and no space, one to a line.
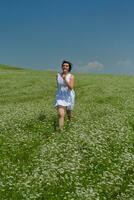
61,113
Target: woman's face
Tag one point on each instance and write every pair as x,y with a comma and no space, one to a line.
65,67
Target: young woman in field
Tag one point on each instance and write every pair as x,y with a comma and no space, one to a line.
65,94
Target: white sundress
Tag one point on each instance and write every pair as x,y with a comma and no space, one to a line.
64,95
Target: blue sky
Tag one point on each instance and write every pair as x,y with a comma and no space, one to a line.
95,35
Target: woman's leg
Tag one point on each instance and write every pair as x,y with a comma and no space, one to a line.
69,114
61,114
70,108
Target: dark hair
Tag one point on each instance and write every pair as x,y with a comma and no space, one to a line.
69,63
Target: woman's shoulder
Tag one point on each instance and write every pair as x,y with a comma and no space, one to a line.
71,75
58,74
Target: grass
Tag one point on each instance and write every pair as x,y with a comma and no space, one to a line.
92,159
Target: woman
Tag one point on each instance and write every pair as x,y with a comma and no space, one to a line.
65,95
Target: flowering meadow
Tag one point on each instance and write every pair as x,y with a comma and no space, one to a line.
91,159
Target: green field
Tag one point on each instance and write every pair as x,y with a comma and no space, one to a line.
91,159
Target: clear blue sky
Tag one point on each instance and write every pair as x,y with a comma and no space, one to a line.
95,35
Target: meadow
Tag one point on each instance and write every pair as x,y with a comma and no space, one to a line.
91,159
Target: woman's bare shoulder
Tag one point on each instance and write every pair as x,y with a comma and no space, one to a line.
72,76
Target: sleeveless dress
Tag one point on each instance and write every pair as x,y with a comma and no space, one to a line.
64,95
